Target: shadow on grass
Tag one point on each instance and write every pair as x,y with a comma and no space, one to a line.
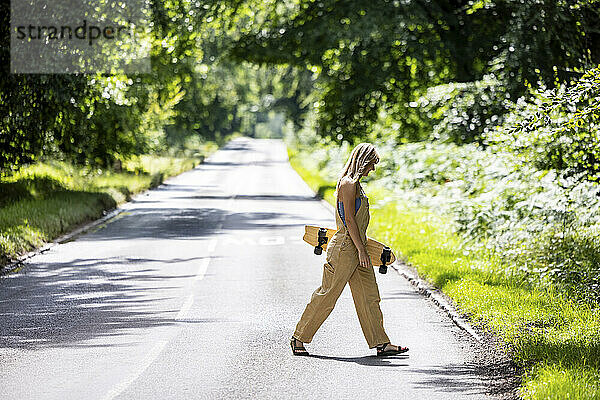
323,190
532,348
28,188
28,222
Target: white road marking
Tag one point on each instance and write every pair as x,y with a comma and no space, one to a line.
233,240
185,307
160,345
202,269
149,359
271,240
211,245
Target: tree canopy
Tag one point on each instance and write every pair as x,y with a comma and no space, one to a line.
438,69
369,56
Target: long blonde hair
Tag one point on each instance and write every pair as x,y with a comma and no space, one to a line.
361,156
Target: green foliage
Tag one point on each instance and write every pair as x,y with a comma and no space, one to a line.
552,382
541,229
543,222
555,340
383,55
44,200
463,112
559,130
100,120
568,256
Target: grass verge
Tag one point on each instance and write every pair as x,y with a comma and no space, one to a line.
44,200
555,339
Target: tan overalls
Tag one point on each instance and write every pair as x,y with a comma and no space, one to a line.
341,266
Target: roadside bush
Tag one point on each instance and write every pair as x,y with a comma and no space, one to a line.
510,198
464,112
557,129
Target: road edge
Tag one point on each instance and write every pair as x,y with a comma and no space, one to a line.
437,297
420,285
19,263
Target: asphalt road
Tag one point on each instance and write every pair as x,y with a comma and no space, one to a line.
193,292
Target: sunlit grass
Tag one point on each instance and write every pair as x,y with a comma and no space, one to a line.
325,189
554,382
555,339
30,223
44,200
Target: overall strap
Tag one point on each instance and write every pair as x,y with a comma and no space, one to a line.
340,206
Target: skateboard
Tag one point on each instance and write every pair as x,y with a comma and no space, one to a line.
379,253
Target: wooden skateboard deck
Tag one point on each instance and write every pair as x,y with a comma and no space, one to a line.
375,249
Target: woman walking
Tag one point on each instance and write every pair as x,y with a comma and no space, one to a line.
347,261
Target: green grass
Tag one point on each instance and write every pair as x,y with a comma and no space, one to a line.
324,189
555,340
556,383
44,200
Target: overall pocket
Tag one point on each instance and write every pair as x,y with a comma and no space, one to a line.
329,267
346,242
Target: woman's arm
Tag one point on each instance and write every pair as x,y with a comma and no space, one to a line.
347,195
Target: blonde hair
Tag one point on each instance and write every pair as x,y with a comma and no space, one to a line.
361,156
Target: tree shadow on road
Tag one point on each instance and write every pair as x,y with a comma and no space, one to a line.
452,378
67,304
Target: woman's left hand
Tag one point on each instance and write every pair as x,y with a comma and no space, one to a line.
364,259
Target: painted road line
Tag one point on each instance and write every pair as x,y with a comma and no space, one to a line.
211,245
160,345
185,308
146,362
202,269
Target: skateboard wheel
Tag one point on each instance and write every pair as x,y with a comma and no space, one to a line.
318,250
383,269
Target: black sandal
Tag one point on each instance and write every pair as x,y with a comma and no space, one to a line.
297,350
382,353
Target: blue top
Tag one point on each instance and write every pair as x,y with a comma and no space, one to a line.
341,209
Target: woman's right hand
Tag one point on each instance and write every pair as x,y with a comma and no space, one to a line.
364,259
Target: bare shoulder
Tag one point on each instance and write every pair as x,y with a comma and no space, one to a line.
347,187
